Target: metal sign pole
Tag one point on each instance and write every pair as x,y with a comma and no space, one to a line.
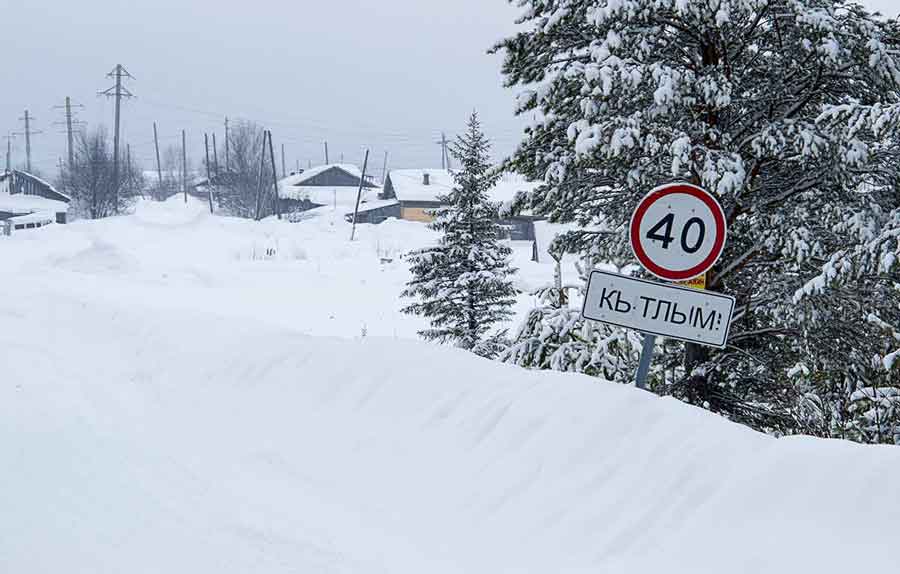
640,379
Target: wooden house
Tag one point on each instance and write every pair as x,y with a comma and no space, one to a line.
27,202
416,193
332,184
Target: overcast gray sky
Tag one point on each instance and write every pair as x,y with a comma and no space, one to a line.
388,75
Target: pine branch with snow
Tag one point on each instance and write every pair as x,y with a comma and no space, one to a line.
786,110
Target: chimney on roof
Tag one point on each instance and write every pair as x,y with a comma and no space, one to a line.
426,179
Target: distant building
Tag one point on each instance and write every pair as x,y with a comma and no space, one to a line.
332,184
27,202
413,195
417,191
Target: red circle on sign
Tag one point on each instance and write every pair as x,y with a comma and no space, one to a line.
653,197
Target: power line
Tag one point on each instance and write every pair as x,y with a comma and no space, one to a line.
304,124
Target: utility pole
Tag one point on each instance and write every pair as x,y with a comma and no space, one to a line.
359,195
227,165
69,130
158,163
326,153
445,158
184,164
69,122
215,156
9,138
28,133
384,168
259,176
274,176
128,172
118,92
283,170
208,177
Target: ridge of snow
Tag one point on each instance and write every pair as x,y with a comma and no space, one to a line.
159,391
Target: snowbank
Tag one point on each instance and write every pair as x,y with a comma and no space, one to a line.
154,418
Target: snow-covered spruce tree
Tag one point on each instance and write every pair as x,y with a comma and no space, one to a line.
462,285
753,100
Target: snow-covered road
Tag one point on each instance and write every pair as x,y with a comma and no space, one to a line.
172,399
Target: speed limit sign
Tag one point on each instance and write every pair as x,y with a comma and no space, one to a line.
678,231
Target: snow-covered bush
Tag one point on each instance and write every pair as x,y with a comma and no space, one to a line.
554,336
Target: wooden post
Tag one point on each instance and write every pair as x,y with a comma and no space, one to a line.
69,133
184,164
215,156
283,169
274,176
158,163
262,162
326,153
362,179
384,168
227,164
208,178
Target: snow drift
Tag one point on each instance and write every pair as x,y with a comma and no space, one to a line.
143,435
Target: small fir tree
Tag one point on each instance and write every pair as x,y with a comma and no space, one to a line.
462,285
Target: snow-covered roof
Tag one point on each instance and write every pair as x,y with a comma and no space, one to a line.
298,178
4,183
322,195
409,185
36,217
21,203
292,186
375,204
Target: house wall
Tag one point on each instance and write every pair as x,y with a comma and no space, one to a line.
294,205
23,183
377,215
518,228
416,214
418,210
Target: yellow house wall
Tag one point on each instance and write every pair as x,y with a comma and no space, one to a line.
416,214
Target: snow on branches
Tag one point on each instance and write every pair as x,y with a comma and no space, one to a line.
463,285
788,111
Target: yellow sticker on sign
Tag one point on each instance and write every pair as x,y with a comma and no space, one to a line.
698,282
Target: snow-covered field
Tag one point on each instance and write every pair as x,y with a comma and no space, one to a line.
186,393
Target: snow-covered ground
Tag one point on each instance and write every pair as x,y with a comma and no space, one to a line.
186,393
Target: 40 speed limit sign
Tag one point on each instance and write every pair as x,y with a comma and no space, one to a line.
678,231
